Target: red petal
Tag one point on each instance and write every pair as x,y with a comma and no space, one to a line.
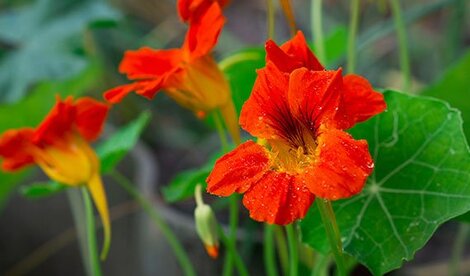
147,63
292,55
188,9
204,32
90,117
266,113
359,102
57,123
314,96
14,146
238,170
278,198
342,166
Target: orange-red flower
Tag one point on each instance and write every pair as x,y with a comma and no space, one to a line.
188,74
60,146
301,111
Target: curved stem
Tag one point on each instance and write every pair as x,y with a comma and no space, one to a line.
270,18
321,265
147,206
332,231
293,253
353,25
317,30
220,131
269,254
402,43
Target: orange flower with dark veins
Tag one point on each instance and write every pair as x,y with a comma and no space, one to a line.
60,146
189,74
301,111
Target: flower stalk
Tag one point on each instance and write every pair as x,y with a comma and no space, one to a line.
332,231
353,26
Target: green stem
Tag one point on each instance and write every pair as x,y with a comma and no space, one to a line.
317,30
91,234
282,248
147,206
331,227
458,248
293,253
240,265
402,43
219,126
269,254
353,25
270,18
79,211
321,265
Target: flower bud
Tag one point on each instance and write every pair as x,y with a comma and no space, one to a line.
206,225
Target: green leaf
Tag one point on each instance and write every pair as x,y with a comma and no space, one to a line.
454,87
116,147
335,45
44,37
42,189
240,70
182,185
420,180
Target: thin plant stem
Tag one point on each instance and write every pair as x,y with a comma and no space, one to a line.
353,26
458,248
282,248
289,13
219,126
293,252
317,29
269,254
270,14
402,44
332,231
157,219
322,262
239,264
94,259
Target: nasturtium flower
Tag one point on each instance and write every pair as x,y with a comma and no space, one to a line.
60,147
189,74
188,9
301,111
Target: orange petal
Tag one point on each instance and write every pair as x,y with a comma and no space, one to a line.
148,89
188,9
237,170
278,198
14,146
147,63
90,117
57,124
314,95
293,54
95,186
204,32
266,113
359,102
342,166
